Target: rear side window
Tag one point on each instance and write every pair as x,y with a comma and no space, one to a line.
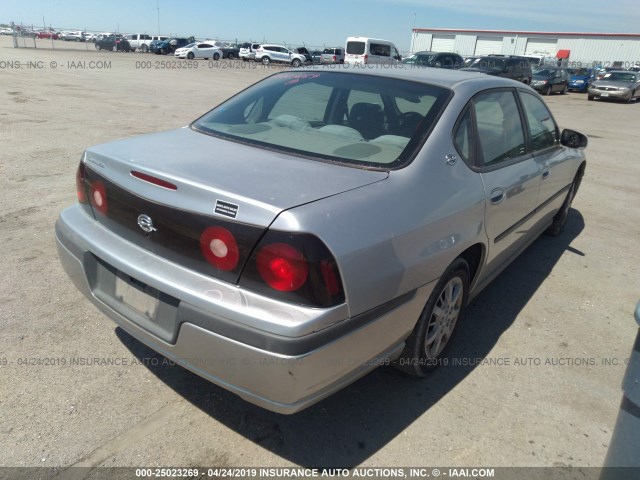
355,48
542,128
380,49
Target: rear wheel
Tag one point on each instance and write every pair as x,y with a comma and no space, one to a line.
565,89
431,336
230,56
548,90
216,56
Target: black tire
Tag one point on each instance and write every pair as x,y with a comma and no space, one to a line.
98,47
548,90
525,81
420,355
216,56
565,89
265,60
144,48
295,63
630,99
190,55
560,219
230,56
589,97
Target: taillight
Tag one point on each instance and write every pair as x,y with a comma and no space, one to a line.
334,58
98,196
298,268
282,267
366,58
219,247
81,174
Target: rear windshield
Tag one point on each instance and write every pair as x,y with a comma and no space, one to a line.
361,120
355,48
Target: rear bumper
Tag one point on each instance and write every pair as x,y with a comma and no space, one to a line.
279,356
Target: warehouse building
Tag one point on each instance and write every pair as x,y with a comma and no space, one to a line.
576,48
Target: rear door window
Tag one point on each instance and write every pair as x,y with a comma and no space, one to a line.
355,48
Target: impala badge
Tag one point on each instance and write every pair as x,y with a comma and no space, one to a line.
145,223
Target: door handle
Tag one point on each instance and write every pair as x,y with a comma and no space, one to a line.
545,173
497,196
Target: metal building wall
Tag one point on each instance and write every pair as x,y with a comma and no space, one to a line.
587,50
465,45
602,51
421,41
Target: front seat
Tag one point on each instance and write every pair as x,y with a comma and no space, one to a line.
368,119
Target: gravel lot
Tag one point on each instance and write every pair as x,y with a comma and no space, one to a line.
560,316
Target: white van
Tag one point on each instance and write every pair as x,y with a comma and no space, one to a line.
364,50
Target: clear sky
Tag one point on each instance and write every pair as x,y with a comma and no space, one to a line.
324,23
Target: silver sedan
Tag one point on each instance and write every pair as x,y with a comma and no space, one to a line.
318,224
616,85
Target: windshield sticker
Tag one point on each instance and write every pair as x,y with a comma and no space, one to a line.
227,209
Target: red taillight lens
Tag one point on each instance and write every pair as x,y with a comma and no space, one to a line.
282,267
334,58
366,58
219,247
98,196
294,267
81,174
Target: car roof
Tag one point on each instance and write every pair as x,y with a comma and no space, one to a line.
453,79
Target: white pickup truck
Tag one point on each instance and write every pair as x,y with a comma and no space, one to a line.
141,41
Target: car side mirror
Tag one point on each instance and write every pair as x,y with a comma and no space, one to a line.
573,139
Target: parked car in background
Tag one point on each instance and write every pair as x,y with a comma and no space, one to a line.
601,72
75,36
580,79
364,50
114,43
170,45
142,41
47,34
199,50
468,61
6,31
279,54
435,59
230,53
548,80
316,56
332,55
616,85
515,68
303,51
248,51
225,260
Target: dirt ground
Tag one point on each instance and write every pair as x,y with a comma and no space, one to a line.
555,328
